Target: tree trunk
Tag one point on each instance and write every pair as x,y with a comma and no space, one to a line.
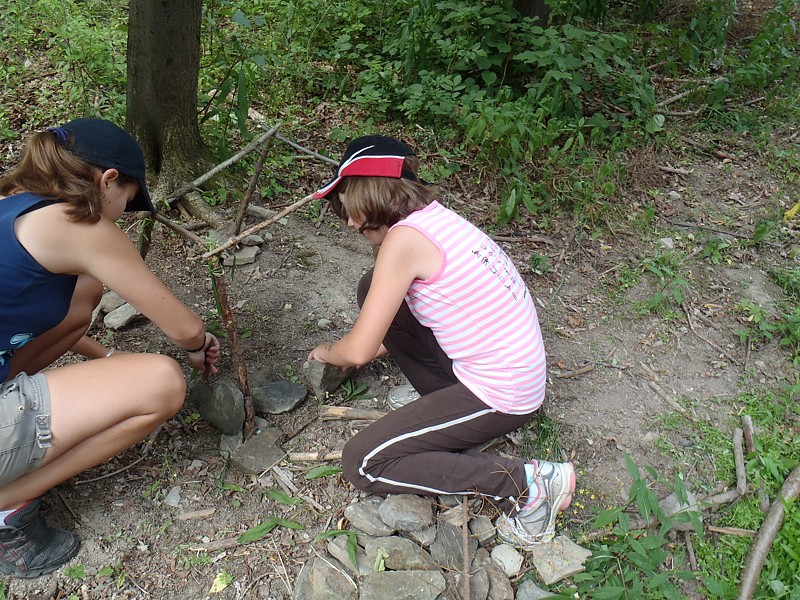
533,8
163,68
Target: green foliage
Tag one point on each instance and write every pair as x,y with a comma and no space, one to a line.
783,326
323,471
262,529
632,563
667,267
353,389
352,542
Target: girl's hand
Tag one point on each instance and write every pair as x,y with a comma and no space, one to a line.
320,353
204,360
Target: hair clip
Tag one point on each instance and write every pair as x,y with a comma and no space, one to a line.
61,134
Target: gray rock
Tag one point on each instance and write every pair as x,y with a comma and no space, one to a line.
424,537
277,397
229,443
110,301
252,240
448,547
530,591
260,452
221,405
680,512
499,586
324,377
337,548
324,324
259,212
405,512
507,558
478,585
121,316
666,243
558,559
320,580
364,516
482,529
173,497
399,554
243,256
402,585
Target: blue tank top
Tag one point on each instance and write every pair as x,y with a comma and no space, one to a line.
32,299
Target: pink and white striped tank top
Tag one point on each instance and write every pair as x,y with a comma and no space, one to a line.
481,313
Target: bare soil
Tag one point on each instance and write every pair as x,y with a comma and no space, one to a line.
632,364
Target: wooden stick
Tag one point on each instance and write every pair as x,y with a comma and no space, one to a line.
316,155
766,535
677,97
237,226
687,538
274,219
575,373
705,339
329,413
178,229
733,531
237,357
666,397
314,456
465,573
749,433
221,166
738,459
674,170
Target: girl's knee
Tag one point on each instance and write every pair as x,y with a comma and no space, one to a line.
166,377
352,457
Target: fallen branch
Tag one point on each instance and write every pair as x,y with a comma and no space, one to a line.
262,157
314,456
256,228
749,433
574,373
738,460
705,339
666,397
674,170
330,413
676,97
732,531
766,535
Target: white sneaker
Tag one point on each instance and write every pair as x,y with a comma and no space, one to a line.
401,395
535,523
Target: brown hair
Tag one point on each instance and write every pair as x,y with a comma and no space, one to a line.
382,201
47,169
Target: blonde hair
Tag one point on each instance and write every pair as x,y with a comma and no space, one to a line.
47,169
382,201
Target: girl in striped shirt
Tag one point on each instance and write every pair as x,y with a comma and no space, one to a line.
449,306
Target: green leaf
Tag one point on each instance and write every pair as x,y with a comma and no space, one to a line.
323,471
259,531
489,77
282,497
221,581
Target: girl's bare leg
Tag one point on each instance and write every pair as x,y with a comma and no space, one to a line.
98,409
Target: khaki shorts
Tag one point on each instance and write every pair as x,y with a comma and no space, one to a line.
24,425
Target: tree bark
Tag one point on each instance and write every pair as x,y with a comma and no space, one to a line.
533,8
163,68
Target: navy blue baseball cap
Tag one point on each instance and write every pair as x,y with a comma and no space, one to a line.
108,146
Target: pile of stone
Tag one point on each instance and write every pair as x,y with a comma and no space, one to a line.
408,547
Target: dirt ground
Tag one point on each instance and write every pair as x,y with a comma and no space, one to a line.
614,375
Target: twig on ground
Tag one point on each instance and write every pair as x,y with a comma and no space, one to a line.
674,170
651,374
575,373
304,150
766,535
705,339
178,229
67,506
146,446
676,97
732,531
329,413
314,456
687,538
749,433
738,459
665,396
466,594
